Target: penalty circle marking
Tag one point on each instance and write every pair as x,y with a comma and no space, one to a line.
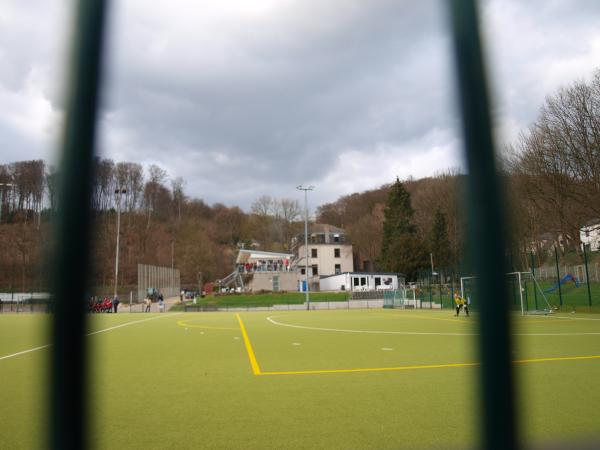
413,333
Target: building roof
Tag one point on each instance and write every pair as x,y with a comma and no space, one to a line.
591,223
324,228
246,255
377,274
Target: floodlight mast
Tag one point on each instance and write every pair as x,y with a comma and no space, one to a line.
306,189
118,193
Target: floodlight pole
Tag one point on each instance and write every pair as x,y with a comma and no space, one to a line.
118,193
2,185
306,189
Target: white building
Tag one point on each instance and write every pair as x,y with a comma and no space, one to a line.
266,271
589,235
329,253
362,281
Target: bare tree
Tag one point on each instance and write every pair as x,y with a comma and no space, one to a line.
262,206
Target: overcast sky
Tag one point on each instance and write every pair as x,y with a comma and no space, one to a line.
251,98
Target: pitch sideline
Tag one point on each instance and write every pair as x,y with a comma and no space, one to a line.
41,347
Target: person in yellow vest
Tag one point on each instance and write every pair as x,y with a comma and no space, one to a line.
459,302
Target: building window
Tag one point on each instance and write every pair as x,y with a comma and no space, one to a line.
313,252
377,281
336,252
315,270
303,271
338,269
363,281
336,238
355,281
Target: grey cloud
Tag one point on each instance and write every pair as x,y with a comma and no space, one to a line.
315,81
248,105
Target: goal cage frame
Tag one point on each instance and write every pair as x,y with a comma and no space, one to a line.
522,279
399,298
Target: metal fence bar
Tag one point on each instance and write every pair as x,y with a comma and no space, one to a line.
486,227
68,414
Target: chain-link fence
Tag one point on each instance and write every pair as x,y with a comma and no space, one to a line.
24,302
559,283
570,286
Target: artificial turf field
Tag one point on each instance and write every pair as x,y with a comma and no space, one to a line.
346,379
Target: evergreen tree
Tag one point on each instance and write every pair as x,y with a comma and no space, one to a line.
401,249
439,243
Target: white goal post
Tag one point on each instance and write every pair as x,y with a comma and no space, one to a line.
521,279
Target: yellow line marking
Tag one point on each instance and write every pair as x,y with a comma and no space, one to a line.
564,358
182,323
251,356
425,366
374,369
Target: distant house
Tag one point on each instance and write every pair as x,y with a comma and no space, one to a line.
330,266
589,234
329,253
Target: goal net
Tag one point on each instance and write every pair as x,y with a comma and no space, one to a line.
400,298
524,293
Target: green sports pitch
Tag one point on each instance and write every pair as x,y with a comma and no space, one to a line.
340,379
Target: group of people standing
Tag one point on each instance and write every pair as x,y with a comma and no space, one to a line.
461,303
277,265
161,303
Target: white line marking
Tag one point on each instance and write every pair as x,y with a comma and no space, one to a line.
574,318
25,351
415,333
127,324
88,334
341,330
296,343
387,349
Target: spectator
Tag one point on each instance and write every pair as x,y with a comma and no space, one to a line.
161,304
115,303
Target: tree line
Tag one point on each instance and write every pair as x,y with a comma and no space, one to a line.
160,225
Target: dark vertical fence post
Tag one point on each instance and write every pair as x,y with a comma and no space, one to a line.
587,276
558,278
430,282
440,289
451,290
533,275
67,415
486,223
